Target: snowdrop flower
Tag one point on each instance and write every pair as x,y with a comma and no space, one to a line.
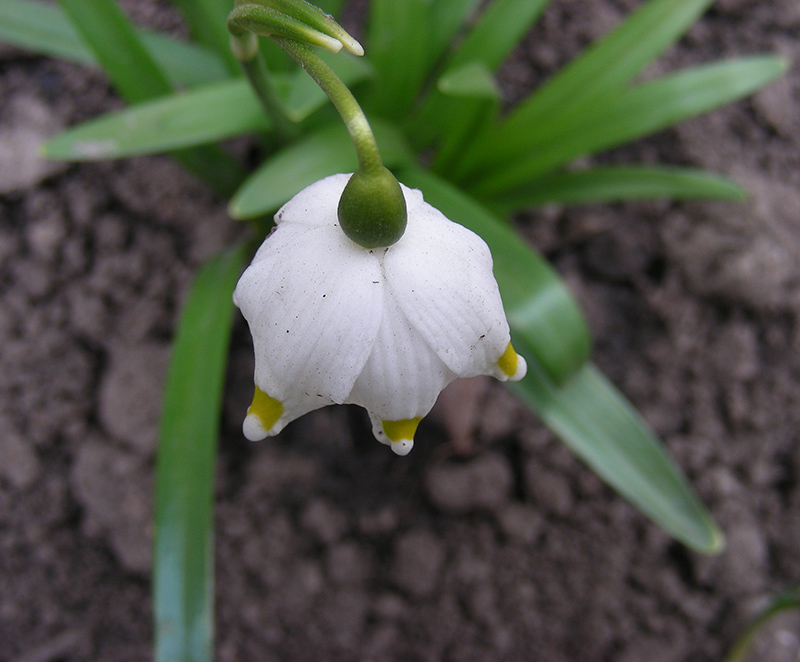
383,328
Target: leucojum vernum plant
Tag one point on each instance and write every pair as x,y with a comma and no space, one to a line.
392,269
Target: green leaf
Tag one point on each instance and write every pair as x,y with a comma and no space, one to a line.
183,573
202,115
602,429
208,22
398,48
326,152
474,99
616,183
540,309
448,18
137,77
605,67
117,47
497,32
644,109
45,29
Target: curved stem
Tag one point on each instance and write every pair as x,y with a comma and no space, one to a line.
244,46
369,158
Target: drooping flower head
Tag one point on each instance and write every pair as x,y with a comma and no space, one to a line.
383,328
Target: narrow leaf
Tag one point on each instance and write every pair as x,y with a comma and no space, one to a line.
183,573
326,152
601,428
448,19
45,29
491,39
644,109
398,48
117,47
540,309
208,23
474,100
497,32
202,115
616,183
604,67
137,77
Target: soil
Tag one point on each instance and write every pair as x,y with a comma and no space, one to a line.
490,541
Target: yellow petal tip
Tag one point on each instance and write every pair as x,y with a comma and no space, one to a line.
512,365
262,416
401,434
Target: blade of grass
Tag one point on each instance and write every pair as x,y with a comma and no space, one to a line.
326,152
474,100
183,573
398,49
642,110
617,183
448,18
605,66
497,31
118,49
207,21
540,309
488,43
596,422
137,77
202,115
45,29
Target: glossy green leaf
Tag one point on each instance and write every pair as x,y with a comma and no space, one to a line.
137,77
489,41
448,19
202,115
118,49
540,309
474,100
183,573
45,29
604,67
398,49
603,429
617,183
207,21
642,110
496,33
326,152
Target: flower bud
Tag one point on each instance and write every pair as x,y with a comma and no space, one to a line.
372,210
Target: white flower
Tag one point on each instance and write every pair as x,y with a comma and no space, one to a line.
386,328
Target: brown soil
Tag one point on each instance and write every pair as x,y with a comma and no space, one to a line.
330,547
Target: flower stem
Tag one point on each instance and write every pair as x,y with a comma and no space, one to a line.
245,48
369,158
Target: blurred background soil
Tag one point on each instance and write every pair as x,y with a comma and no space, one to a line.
490,541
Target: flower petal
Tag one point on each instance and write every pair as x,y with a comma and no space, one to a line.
403,376
316,204
313,300
441,276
